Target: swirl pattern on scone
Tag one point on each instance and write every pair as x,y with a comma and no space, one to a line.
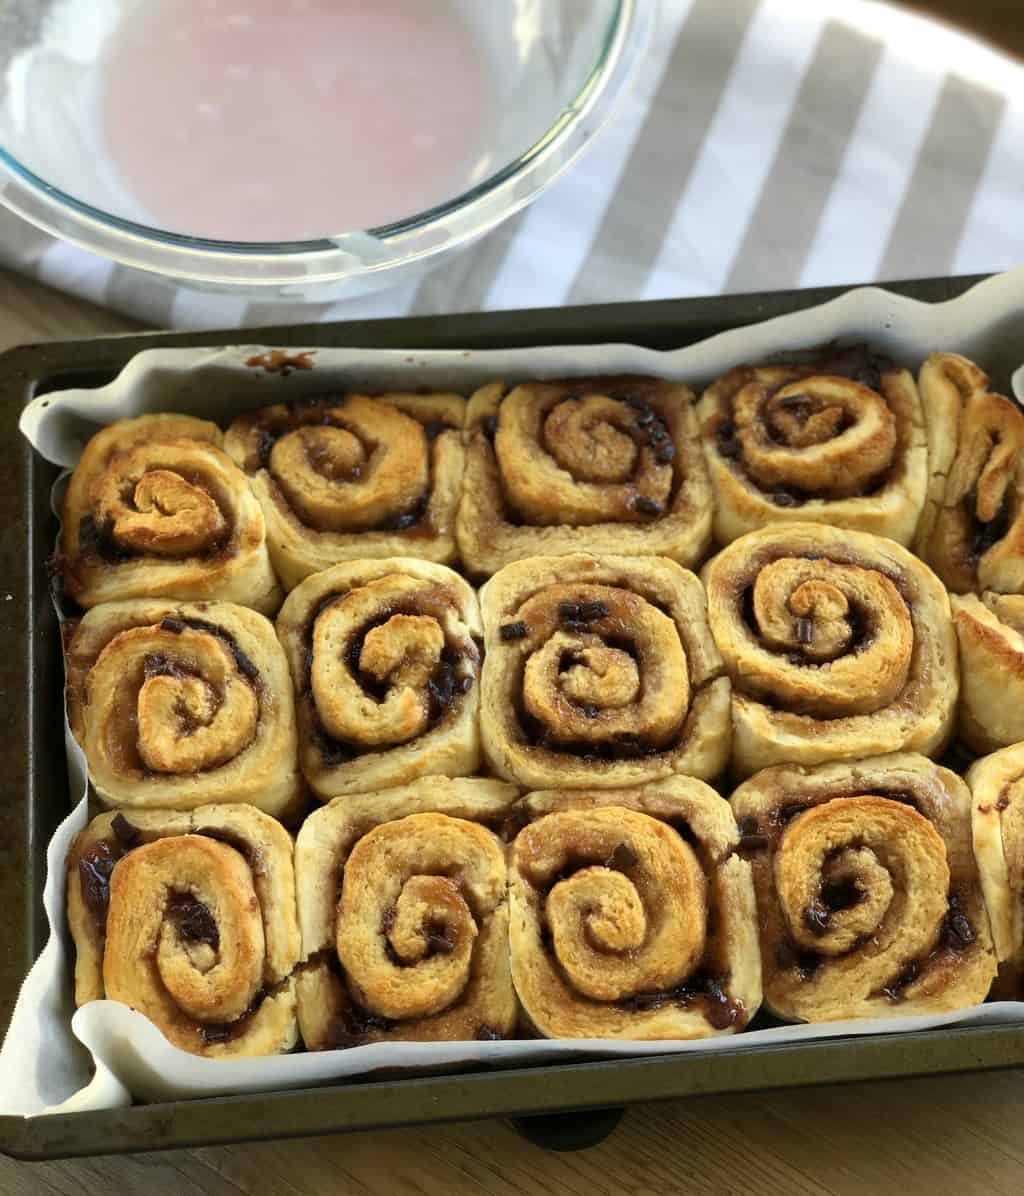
190,919
997,787
601,465
839,645
632,916
179,704
156,509
403,907
972,528
839,440
600,672
352,476
868,894
385,658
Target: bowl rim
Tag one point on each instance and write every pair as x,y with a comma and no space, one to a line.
354,254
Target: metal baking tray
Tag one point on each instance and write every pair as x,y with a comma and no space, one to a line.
36,790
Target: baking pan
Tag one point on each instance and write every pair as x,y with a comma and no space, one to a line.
33,762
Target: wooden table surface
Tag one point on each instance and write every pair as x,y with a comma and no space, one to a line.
962,1135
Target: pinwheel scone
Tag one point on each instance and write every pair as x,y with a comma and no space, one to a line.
868,895
632,916
600,672
385,659
990,630
839,645
179,704
839,440
190,918
600,465
156,509
997,786
352,476
972,528
403,910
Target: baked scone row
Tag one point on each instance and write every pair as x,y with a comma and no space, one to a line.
452,909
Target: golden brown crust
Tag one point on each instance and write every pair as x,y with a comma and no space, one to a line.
156,509
601,465
385,660
868,894
190,918
404,916
972,528
991,635
997,788
801,443
599,673
839,645
178,704
631,915
354,476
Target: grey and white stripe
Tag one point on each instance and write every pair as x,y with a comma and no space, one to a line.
768,143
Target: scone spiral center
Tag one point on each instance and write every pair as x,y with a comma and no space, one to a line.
164,498
863,874
414,897
827,639
386,659
185,937
174,701
821,435
624,900
364,464
601,663
583,460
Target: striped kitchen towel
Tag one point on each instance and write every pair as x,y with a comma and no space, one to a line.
766,144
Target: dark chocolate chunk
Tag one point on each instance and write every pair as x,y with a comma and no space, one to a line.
622,858
214,1033
513,631
405,519
782,498
666,453
729,445
646,506
569,612
95,539
438,942
264,445
805,631
193,920
175,626
895,990
352,1027
387,919
589,611
590,711
128,836
94,869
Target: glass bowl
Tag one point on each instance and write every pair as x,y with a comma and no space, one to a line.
564,63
